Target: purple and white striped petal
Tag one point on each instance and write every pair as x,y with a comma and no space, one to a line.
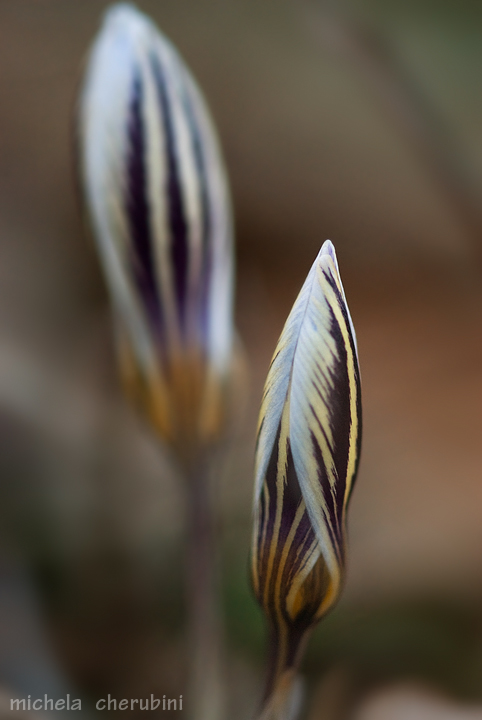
309,437
158,200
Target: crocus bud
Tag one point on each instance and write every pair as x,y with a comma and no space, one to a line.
158,202
307,454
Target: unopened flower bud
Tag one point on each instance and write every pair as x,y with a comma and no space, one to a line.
308,447
158,201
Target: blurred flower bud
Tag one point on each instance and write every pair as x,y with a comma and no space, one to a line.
307,455
158,201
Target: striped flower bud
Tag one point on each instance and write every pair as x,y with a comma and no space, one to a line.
307,454
158,201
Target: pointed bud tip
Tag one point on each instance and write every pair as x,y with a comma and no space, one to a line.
327,259
125,20
122,14
328,249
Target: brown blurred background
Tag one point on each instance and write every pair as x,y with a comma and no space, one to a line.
361,122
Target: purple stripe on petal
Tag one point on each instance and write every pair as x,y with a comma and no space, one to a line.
340,399
177,219
357,382
291,500
334,530
291,496
291,492
340,421
138,209
303,539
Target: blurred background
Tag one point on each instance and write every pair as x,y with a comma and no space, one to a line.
360,122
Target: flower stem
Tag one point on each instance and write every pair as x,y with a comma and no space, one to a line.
205,691
283,696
